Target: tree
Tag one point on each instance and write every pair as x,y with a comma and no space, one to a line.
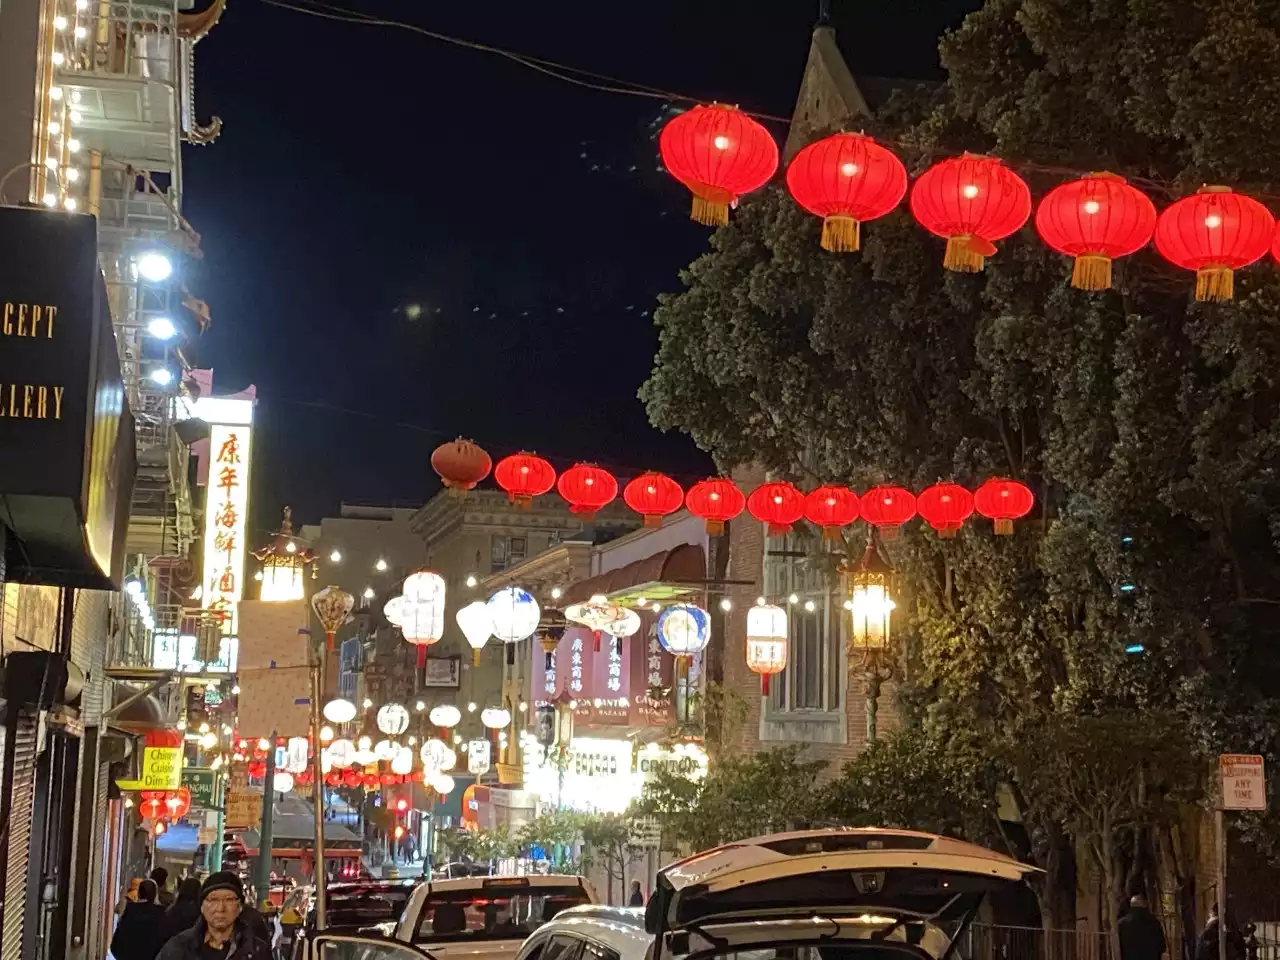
558,832
1148,426
606,839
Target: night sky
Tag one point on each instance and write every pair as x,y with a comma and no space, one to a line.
364,169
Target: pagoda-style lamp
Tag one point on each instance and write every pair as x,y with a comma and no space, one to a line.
285,559
871,605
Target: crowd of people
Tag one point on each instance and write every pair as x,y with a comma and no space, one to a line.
201,921
1142,936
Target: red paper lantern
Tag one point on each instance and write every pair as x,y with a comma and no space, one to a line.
460,464
1095,219
177,803
719,153
777,504
333,778
258,769
388,779
972,201
1003,501
371,781
417,776
1215,232
163,737
152,809
887,509
945,507
524,476
587,488
653,496
716,501
846,179
831,508
352,778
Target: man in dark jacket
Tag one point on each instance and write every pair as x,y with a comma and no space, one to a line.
161,877
184,913
1141,936
220,932
135,936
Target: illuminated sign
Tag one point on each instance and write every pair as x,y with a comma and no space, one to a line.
225,519
605,776
161,768
172,651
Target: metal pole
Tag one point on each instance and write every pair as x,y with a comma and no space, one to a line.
220,795
317,785
873,704
1221,826
266,836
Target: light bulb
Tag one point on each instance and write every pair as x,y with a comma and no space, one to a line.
55,93
58,58
155,267
50,200
70,203
161,375
849,169
381,565
419,706
367,703
290,547
726,605
721,142
368,593
51,163
471,580
73,145
55,128
162,328
809,606
793,599
969,190
471,707
59,22
335,556
73,174
522,706
80,33
235,691
204,728
75,116
555,593
1213,221
1092,206
82,4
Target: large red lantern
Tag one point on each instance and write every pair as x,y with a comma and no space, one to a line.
972,201
719,153
1003,501
1215,232
587,488
945,507
177,803
460,464
716,501
887,509
1095,219
371,781
152,808
846,179
653,496
524,476
777,504
831,508
333,778
352,778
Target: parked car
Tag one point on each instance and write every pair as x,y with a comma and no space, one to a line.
357,907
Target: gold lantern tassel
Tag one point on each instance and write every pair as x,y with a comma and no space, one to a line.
841,234
1004,527
961,255
710,213
832,534
947,532
1091,272
652,520
475,656
715,527
889,533
1215,284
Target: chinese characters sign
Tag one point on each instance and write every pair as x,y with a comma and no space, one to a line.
226,507
611,686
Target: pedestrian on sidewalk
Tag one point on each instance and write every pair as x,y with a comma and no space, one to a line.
184,913
161,877
221,930
637,900
1141,935
135,937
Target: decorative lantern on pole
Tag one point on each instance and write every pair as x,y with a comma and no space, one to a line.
684,630
333,606
766,642
284,562
476,623
600,616
871,604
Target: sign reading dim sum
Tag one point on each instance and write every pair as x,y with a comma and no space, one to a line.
225,519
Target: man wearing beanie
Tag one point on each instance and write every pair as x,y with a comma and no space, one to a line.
221,931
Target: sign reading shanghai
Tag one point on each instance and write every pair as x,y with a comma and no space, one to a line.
227,506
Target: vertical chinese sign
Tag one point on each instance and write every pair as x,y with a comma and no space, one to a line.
226,509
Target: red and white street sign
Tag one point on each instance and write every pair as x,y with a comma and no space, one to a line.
1244,785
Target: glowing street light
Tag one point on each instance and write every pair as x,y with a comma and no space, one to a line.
162,328
154,267
871,606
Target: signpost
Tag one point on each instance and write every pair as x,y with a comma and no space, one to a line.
1243,787
202,782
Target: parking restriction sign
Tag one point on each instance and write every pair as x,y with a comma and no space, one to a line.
1243,782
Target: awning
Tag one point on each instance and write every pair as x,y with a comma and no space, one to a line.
667,575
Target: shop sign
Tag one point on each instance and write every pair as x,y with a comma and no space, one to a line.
244,809
226,517
202,782
443,672
684,759
161,768
174,651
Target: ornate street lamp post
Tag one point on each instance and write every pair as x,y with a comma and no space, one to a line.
871,605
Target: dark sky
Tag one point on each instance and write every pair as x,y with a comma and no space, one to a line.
365,168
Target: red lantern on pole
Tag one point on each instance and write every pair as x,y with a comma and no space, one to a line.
945,507
846,179
719,153
716,501
460,464
972,201
831,508
778,504
587,488
524,476
1095,219
887,509
653,496
1215,232
1003,501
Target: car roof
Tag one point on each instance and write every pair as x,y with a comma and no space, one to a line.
534,880
621,928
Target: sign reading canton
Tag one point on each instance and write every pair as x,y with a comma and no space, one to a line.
227,505
68,475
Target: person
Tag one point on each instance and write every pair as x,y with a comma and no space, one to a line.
637,900
161,877
1207,942
184,912
135,936
1141,936
221,930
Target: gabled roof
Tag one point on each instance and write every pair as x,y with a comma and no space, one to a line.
829,96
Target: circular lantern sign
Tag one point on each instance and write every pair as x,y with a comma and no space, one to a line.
478,757
720,154
460,464
846,179
339,710
476,623
778,505
393,610
445,716
716,501
600,616
945,507
443,784
971,201
587,488
887,509
1215,232
766,642
392,719
1095,219
684,630
524,476
831,508
495,718
422,616
515,614
1003,501
385,749
653,496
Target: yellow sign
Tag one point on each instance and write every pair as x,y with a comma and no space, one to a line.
226,515
243,809
161,768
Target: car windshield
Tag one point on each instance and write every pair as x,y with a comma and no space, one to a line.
492,914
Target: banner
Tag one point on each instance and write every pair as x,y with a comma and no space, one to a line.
275,681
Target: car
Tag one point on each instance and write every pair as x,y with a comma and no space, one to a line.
358,907
485,918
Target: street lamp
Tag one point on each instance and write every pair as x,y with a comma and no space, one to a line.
871,606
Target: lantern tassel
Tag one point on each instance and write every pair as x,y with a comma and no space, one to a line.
832,534
652,520
961,255
841,234
475,656
889,533
1215,284
710,213
764,684
1004,527
947,532
1092,271
422,655
715,527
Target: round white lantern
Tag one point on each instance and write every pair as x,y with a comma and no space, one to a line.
341,753
283,781
339,710
495,718
422,614
515,614
766,642
365,758
437,757
393,719
402,762
475,620
445,716
385,749
684,630
443,784
393,610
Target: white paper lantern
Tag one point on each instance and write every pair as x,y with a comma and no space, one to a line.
341,753
445,716
283,781
476,622
515,614
422,614
443,784
339,710
385,749
402,762
365,757
393,610
766,642
478,757
393,719
495,718
437,757
684,630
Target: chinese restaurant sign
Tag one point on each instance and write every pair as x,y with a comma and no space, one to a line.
227,506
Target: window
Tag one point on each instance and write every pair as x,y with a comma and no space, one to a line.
800,566
496,909
506,551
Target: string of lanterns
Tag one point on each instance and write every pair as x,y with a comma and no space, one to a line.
971,201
